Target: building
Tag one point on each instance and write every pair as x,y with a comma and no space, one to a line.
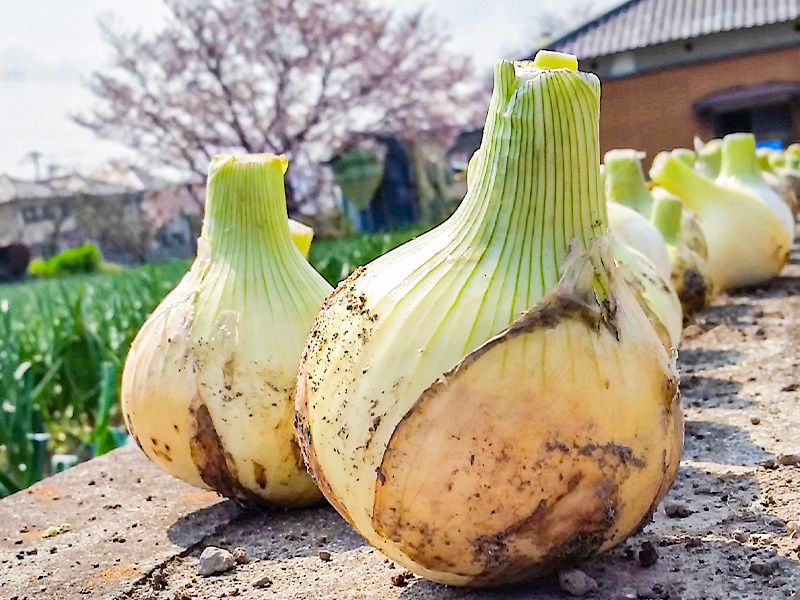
49,215
673,69
128,214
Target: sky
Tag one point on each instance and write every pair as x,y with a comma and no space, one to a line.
49,48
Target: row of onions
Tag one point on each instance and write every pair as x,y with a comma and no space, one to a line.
492,400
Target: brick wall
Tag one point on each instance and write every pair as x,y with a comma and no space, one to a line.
653,111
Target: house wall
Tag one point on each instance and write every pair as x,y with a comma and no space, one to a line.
10,224
653,111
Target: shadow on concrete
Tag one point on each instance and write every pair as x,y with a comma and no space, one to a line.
184,531
720,443
700,359
735,316
777,287
712,392
271,533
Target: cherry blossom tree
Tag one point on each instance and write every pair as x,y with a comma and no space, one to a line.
307,78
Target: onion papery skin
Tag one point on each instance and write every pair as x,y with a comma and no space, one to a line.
207,388
490,401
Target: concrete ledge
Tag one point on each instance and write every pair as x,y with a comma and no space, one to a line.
124,515
723,532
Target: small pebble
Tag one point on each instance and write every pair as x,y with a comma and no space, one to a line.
648,555
692,331
240,555
755,420
676,510
576,583
626,594
263,582
324,555
768,463
215,560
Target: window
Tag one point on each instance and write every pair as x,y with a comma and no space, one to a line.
732,122
765,122
773,123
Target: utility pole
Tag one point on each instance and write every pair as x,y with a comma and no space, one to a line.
34,156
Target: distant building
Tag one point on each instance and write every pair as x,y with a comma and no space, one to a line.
46,215
673,69
129,214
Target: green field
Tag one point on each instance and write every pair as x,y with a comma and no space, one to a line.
63,343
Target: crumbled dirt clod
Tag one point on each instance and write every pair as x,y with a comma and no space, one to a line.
402,579
215,560
676,510
788,460
648,556
159,579
262,582
576,583
764,568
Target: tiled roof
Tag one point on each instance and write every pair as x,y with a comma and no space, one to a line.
641,23
57,187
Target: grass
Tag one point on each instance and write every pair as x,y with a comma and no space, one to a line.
63,343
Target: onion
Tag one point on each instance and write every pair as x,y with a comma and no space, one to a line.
709,157
689,271
207,385
740,170
632,229
747,241
490,401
